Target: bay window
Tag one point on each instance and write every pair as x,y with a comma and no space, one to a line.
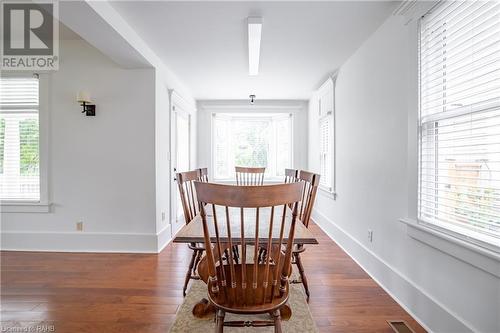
251,140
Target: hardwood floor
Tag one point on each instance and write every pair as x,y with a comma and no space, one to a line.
110,293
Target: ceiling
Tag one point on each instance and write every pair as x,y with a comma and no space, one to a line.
66,33
205,43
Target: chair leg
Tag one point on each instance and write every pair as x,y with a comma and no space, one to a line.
298,261
188,274
219,323
260,257
197,260
277,321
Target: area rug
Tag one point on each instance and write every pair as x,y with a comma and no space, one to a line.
300,322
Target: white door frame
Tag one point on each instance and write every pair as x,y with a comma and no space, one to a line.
178,107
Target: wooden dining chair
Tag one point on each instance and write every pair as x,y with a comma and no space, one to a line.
249,176
310,183
187,192
248,287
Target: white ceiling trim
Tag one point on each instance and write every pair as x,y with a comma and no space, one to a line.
259,105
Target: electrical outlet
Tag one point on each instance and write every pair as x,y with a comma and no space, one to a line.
370,235
163,216
79,226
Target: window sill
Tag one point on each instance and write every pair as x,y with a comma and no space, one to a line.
328,192
233,181
478,256
24,207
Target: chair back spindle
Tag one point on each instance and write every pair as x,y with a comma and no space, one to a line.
204,175
291,175
249,176
250,283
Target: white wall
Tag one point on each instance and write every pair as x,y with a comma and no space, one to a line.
101,169
162,152
296,107
99,23
376,171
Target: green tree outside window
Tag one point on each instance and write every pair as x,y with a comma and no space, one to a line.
2,143
29,146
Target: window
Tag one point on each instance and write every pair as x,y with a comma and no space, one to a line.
251,140
19,139
326,125
325,139
459,122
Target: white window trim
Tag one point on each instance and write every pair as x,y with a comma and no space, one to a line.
483,256
43,205
267,179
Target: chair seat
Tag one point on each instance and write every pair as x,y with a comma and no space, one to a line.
247,300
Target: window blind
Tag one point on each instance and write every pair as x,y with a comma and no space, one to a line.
19,139
326,136
459,152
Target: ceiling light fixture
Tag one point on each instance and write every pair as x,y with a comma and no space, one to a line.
252,99
254,36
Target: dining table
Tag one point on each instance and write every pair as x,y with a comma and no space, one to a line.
193,233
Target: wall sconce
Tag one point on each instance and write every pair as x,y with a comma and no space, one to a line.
83,98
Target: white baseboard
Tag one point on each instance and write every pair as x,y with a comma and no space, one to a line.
83,241
179,227
164,237
432,315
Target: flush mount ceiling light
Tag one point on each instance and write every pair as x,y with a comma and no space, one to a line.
254,36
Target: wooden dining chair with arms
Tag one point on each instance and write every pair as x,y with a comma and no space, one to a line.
248,287
310,182
249,176
187,192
